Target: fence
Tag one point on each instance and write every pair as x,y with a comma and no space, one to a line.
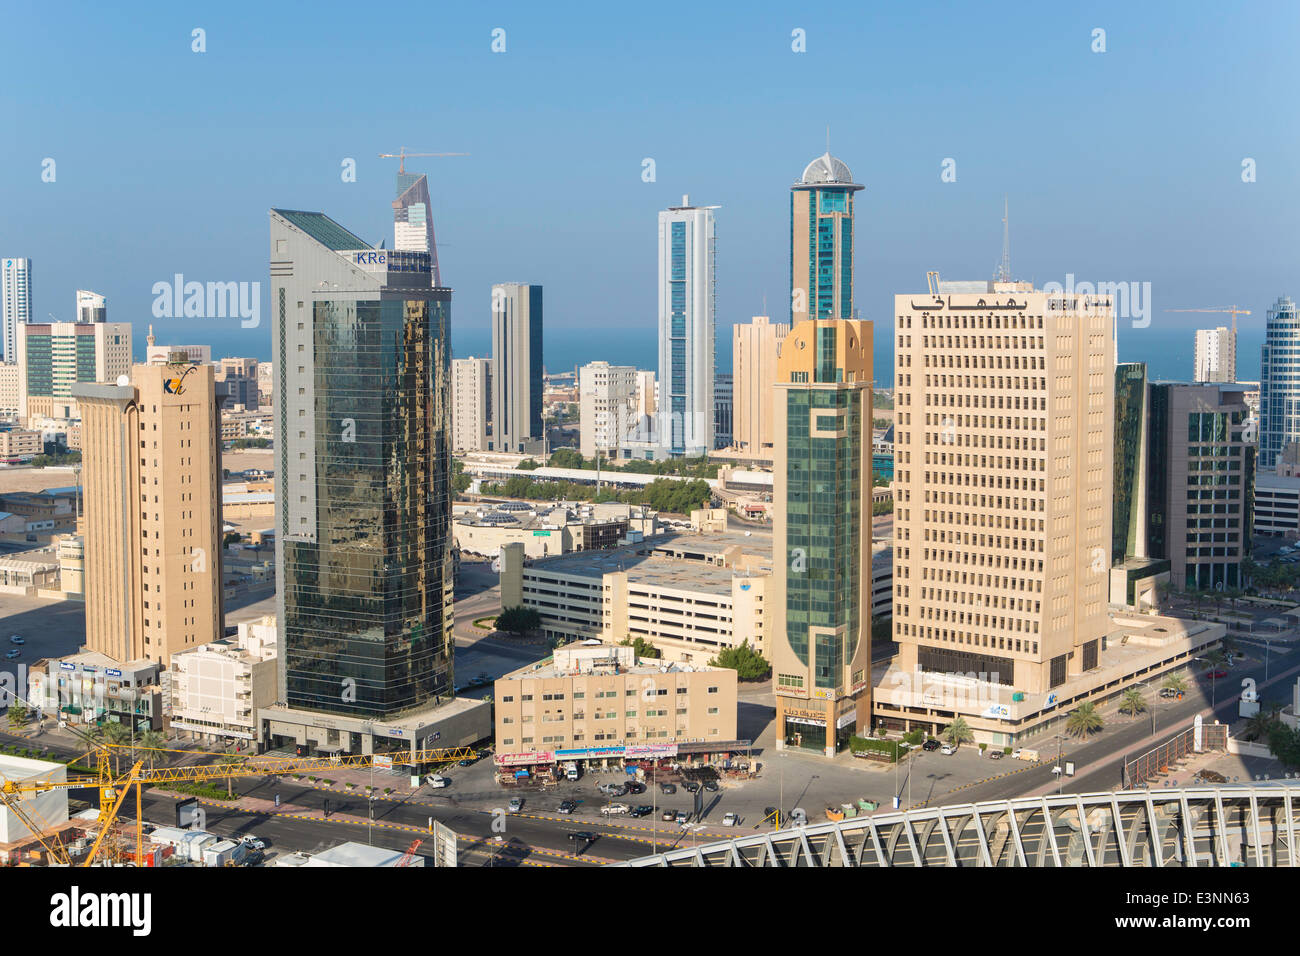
1158,760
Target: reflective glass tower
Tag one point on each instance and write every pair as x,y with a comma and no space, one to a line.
687,307
1279,383
362,357
821,241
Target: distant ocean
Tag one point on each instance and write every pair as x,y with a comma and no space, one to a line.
1166,348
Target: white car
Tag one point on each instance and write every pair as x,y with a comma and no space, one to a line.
17,639
730,820
947,750
438,782
255,843
615,808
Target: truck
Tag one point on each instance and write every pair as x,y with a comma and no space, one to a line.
571,770
1025,754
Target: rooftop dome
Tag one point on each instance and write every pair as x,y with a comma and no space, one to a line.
826,169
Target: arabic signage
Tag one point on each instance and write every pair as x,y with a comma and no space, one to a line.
650,750
532,756
937,304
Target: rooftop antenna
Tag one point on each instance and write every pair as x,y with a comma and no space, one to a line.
1003,273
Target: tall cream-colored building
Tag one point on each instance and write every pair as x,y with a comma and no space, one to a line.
54,357
755,347
1004,408
151,469
471,384
607,408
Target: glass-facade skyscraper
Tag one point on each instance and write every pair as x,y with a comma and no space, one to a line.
1279,382
687,315
362,357
821,241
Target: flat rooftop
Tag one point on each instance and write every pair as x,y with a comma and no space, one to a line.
653,561
546,669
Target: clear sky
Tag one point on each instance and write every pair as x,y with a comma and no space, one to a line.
1120,166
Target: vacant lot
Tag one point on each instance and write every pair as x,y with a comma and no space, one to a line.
35,479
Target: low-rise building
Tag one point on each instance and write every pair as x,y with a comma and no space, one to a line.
598,701
88,687
20,445
217,689
547,529
1277,504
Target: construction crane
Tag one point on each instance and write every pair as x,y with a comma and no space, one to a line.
409,855
113,790
1233,309
401,155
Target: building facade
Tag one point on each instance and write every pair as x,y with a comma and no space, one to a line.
363,490
755,347
607,408
151,467
687,313
471,408
1003,467
218,688
517,368
15,302
821,242
723,410
55,357
1279,383
1215,357
91,306
820,592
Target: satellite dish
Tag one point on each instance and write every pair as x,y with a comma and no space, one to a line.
124,380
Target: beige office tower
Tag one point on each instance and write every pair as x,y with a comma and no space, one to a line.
819,596
471,384
1004,403
754,350
607,408
151,467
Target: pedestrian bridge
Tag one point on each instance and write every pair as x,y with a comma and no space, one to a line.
1225,825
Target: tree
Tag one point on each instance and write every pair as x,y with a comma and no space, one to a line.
17,715
1215,659
114,734
519,619
1176,682
1259,726
1084,720
1132,702
641,647
958,732
150,742
748,663
230,762
566,458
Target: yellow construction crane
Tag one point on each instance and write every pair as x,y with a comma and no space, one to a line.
401,155
1233,309
114,790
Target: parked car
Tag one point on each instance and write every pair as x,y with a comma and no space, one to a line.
947,750
690,786
995,754
730,820
612,789
568,806
668,815
17,639
1168,692
635,786
255,842
615,808
711,786
930,744
644,810
516,804
668,787
14,653
437,781
465,763
682,817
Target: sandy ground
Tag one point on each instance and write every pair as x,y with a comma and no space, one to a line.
249,458
35,479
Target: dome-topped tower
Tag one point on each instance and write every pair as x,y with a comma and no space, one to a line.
825,170
821,241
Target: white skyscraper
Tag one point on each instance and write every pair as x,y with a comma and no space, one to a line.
687,308
607,408
15,302
1216,355
91,306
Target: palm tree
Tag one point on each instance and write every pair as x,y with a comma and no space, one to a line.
1214,659
1083,720
17,716
1133,702
1257,727
958,732
230,762
150,742
113,733
1176,683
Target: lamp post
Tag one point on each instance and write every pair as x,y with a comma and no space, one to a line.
1145,685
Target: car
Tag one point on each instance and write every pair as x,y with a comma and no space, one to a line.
930,744
730,820
586,836
1168,692
437,781
669,815
611,809
995,754
612,789
255,842
1213,675
516,804
1015,754
682,818
17,639
644,810
668,787
711,786
635,787
568,806
947,750
465,763
14,653
483,678
690,786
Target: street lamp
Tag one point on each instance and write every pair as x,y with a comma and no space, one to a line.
1143,684
1059,769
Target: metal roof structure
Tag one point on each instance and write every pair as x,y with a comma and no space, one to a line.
1231,825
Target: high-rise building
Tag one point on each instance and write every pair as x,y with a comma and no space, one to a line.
413,219
91,307
607,413
687,313
55,356
819,597
363,504
1279,383
151,469
471,390
821,241
1004,408
517,368
155,354
15,302
239,378
1215,358
755,346
723,409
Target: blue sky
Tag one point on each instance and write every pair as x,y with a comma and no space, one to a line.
1120,166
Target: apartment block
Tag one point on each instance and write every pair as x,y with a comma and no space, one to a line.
607,408
218,688
55,357
1215,355
755,347
471,403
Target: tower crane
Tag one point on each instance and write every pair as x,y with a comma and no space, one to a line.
401,155
1233,309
